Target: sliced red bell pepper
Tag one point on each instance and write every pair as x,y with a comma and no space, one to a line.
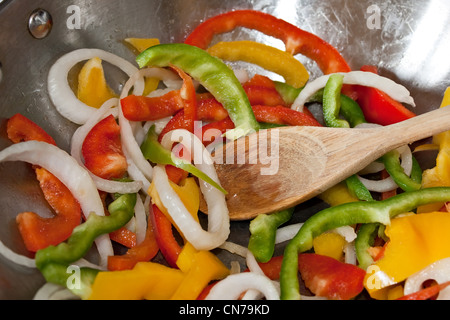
142,108
19,128
330,278
427,293
144,251
188,96
38,232
284,116
167,243
261,90
377,106
102,150
295,39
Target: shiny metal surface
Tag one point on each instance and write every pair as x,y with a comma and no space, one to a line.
408,40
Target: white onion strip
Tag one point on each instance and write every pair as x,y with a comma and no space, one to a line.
63,97
110,186
234,285
368,79
438,271
15,257
70,173
218,215
129,143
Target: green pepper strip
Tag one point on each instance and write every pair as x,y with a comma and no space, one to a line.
156,153
213,74
349,214
392,164
54,261
263,231
365,239
332,102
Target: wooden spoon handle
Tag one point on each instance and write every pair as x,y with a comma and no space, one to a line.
416,128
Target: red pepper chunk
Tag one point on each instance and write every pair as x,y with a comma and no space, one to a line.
295,39
38,232
19,128
102,150
378,107
330,278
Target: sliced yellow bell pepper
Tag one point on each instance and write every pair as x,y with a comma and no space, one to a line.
329,244
267,57
415,241
200,267
337,195
153,281
141,44
189,194
439,176
147,280
92,87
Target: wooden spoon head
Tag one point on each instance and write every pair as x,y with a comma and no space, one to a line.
269,171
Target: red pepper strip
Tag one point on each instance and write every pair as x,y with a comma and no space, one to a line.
188,96
378,107
284,116
427,293
19,128
261,90
145,251
102,150
295,39
142,108
38,232
162,228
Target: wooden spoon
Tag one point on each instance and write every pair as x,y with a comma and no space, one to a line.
302,162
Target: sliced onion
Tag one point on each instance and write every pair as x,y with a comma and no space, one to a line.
110,186
70,173
234,248
438,271
129,142
368,79
62,96
141,220
234,285
287,233
388,184
218,215
15,257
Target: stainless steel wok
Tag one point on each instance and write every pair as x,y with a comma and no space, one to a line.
408,40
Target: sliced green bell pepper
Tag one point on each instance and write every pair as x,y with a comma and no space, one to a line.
213,74
156,153
54,262
263,231
349,214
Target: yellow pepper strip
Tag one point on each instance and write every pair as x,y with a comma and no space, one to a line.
154,281
189,194
200,267
141,44
267,57
147,280
337,195
330,244
415,241
92,87
439,176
